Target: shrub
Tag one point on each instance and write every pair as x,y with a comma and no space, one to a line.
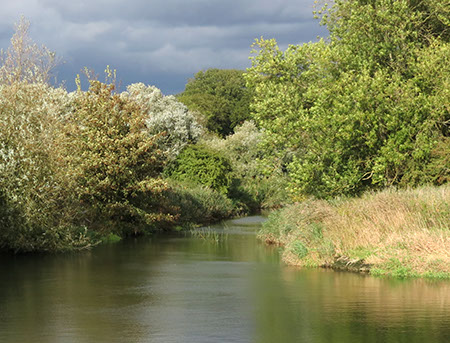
198,204
202,165
35,212
258,181
113,163
167,116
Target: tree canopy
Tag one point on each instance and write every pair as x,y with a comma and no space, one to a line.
221,96
366,108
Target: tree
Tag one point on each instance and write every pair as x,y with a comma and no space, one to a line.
221,96
113,163
175,124
365,108
25,60
36,208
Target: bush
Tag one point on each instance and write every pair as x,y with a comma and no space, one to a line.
81,166
204,166
36,208
258,179
198,204
112,163
166,116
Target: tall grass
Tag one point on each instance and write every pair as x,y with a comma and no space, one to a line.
209,235
393,232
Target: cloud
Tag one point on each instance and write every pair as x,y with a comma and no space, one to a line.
182,12
162,42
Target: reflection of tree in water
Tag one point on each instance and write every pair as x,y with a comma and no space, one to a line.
69,296
181,288
326,306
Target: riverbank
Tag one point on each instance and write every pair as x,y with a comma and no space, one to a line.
400,233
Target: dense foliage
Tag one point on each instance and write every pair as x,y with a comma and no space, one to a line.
167,116
195,203
258,180
367,108
76,167
112,163
34,212
202,165
220,95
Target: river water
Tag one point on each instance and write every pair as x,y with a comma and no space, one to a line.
179,288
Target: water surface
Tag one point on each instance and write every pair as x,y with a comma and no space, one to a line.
177,288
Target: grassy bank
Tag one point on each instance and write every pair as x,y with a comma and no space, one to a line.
402,233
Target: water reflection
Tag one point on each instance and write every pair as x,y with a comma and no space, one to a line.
325,306
184,289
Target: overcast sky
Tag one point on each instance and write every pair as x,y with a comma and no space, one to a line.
158,42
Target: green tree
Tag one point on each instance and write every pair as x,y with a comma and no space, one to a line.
113,163
202,165
365,108
221,96
36,210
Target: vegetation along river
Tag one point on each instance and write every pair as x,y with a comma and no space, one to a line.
220,288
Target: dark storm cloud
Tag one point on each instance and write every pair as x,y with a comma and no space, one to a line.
182,12
159,42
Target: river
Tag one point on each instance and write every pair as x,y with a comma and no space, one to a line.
179,288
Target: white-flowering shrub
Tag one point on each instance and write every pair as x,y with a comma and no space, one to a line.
242,148
167,116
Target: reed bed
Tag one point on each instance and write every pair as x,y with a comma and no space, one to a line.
394,232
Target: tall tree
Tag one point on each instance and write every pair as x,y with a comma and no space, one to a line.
24,60
221,96
366,108
112,162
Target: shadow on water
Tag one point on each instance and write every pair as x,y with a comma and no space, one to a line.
177,288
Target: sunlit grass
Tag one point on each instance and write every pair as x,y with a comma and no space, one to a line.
403,233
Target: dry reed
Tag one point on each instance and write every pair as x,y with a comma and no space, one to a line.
396,232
